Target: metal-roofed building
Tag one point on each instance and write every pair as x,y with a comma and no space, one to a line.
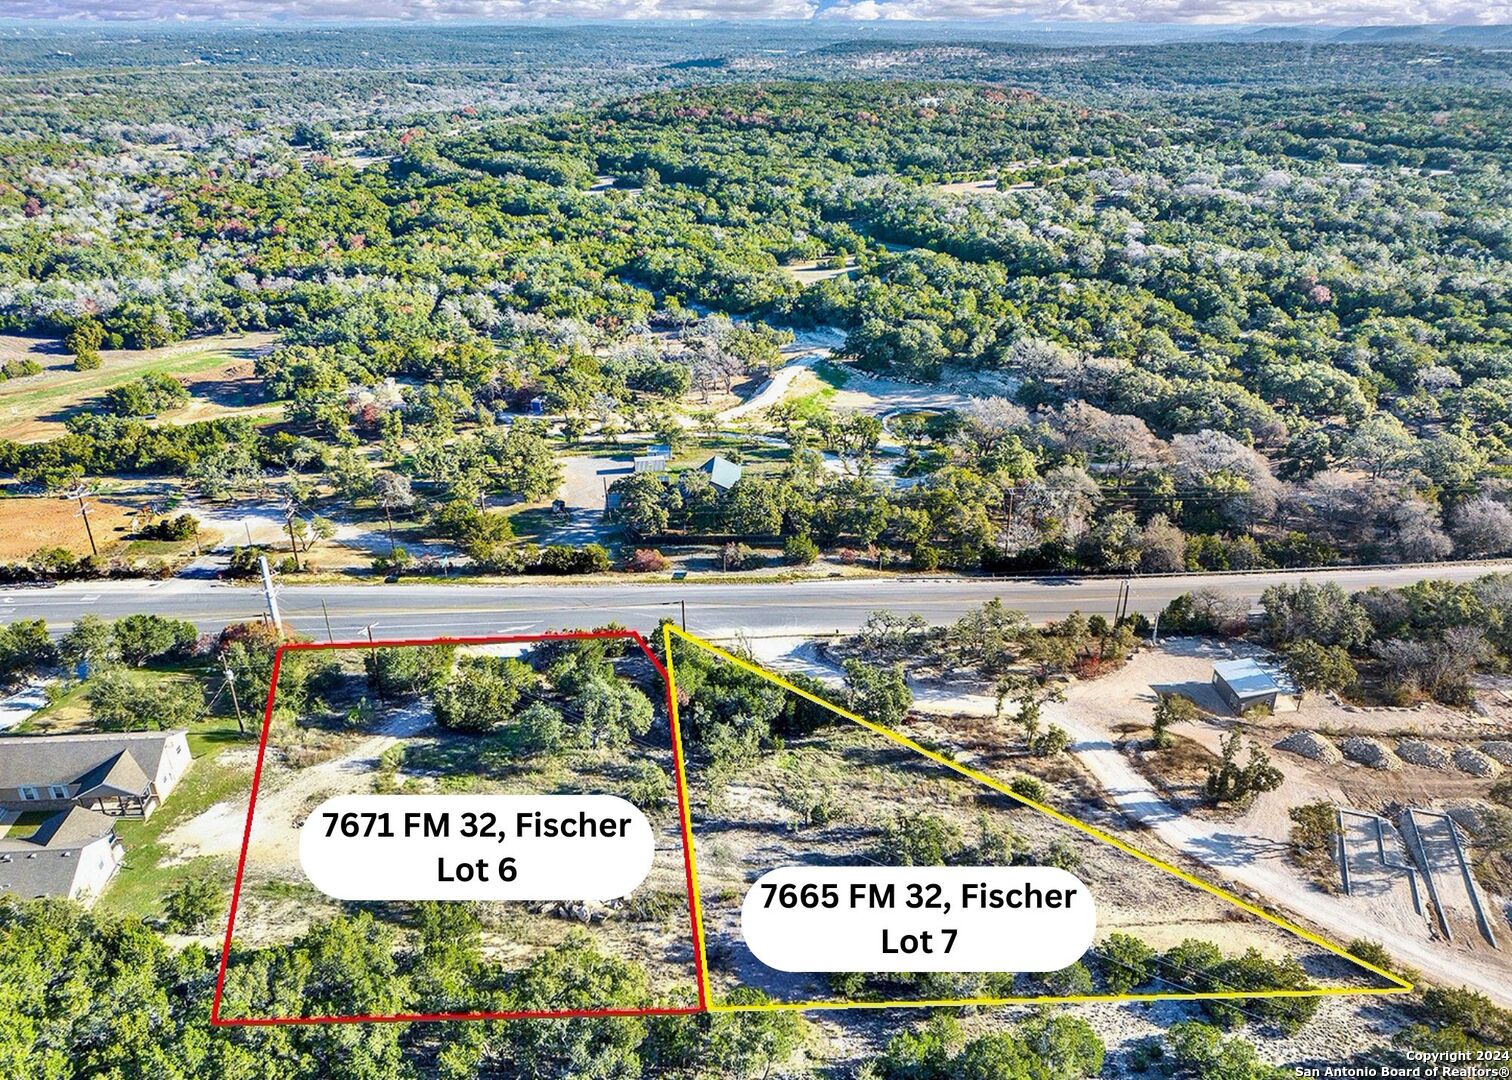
723,473
1244,684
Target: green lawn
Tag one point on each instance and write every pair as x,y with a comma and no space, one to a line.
832,374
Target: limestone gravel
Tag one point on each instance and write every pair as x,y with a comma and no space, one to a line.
1311,745
1371,752
1475,763
1421,752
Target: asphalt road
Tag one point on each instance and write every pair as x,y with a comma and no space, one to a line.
720,610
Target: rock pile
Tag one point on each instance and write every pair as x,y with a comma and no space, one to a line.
1371,752
1500,749
1311,745
1475,763
1419,752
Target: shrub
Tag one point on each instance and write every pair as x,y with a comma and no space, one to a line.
564,559
541,728
398,672
1314,833
482,692
1126,962
918,838
182,527
799,550
647,561
650,789
740,557
192,905
1028,787
244,562
1050,742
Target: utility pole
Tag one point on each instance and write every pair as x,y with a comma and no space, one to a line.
326,612
293,547
270,595
377,672
231,685
84,513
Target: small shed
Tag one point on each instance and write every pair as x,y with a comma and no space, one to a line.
723,473
651,463
1243,684
659,449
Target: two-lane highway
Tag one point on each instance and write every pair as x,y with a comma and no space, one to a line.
755,608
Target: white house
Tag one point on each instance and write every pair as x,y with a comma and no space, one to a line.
72,853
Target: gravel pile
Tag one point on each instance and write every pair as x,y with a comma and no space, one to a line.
1311,745
1370,752
1475,763
1419,752
1500,749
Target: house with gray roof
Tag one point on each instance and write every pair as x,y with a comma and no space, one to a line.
121,774
71,853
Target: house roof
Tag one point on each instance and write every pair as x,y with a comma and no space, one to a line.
47,862
80,759
121,775
723,472
1246,678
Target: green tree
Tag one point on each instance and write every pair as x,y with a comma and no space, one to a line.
139,638
1170,709
119,702
406,669
482,692
527,462
84,341
880,694
91,641
1228,781
1315,667
192,905
1126,962
1066,1046
918,838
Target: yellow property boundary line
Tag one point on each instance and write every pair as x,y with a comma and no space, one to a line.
669,631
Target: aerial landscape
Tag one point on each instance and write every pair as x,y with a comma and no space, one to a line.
578,542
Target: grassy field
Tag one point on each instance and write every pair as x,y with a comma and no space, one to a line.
37,406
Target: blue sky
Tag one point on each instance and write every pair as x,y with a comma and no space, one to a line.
1287,12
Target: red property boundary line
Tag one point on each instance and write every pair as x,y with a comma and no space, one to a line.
700,975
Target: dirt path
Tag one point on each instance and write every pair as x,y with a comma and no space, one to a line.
775,388
284,797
